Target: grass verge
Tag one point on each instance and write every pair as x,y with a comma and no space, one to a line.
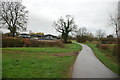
46,62
107,60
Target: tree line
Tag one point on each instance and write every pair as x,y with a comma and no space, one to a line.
67,25
14,17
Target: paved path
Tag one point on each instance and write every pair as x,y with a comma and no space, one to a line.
88,66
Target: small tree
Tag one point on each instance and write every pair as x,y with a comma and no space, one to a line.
114,22
90,37
13,16
82,35
65,26
100,33
81,38
82,31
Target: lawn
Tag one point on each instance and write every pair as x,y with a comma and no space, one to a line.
68,48
106,57
43,62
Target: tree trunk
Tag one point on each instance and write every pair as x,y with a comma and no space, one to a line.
12,34
65,37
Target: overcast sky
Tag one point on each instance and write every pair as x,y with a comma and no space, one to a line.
92,14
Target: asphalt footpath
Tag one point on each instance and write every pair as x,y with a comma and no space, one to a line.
88,66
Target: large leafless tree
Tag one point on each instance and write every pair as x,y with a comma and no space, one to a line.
114,22
13,16
65,26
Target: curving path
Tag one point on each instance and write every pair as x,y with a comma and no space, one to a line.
88,66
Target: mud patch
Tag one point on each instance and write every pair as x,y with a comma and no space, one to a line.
65,54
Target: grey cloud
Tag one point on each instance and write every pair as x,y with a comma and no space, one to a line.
88,13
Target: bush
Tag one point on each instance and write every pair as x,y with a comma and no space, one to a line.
59,44
35,43
69,41
98,44
24,42
104,47
108,40
115,50
95,42
12,42
81,39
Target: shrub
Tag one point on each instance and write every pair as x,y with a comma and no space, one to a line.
115,50
81,39
69,41
58,44
98,44
12,42
95,42
108,40
104,47
26,42
35,43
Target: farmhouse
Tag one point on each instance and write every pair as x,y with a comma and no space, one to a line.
36,37
49,37
24,35
39,37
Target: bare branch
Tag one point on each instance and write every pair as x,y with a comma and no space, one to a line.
65,26
13,16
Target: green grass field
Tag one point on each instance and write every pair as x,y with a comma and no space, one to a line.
105,57
45,62
68,48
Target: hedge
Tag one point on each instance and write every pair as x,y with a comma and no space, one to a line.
24,42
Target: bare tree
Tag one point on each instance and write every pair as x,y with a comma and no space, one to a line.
65,26
100,33
114,23
82,31
13,16
81,35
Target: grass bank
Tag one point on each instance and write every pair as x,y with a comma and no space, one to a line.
105,57
45,62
